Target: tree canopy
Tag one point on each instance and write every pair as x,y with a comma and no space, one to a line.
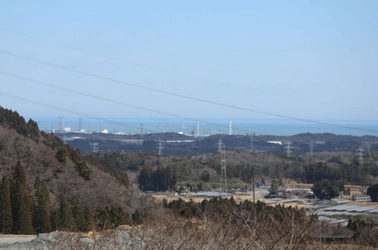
325,190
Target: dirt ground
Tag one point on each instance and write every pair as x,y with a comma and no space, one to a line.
9,238
171,196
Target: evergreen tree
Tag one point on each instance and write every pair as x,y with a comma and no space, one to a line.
62,155
137,218
103,219
115,216
33,129
324,190
66,218
123,220
205,176
55,219
41,215
118,216
6,220
21,203
88,218
373,192
145,179
19,174
79,219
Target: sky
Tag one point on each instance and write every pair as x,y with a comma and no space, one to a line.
315,60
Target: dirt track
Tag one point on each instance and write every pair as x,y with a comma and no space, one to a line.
10,238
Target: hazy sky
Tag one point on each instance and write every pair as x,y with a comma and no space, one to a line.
307,59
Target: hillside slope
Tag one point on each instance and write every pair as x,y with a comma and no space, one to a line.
62,168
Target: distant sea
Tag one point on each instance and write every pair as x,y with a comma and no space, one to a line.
210,126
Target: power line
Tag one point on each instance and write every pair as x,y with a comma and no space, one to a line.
110,100
65,110
180,95
117,59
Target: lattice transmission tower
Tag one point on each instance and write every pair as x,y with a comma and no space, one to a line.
223,175
311,147
160,147
360,155
94,146
360,158
288,148
251,146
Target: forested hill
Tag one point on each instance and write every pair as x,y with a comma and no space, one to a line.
45,158
11,119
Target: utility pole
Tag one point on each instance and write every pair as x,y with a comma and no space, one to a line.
254,186
254,203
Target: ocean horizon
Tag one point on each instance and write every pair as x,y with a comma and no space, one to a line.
283,127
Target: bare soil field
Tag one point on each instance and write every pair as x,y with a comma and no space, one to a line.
248,196
198,198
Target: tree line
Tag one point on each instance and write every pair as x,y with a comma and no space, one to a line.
161,179
305,173
22,213
14,120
